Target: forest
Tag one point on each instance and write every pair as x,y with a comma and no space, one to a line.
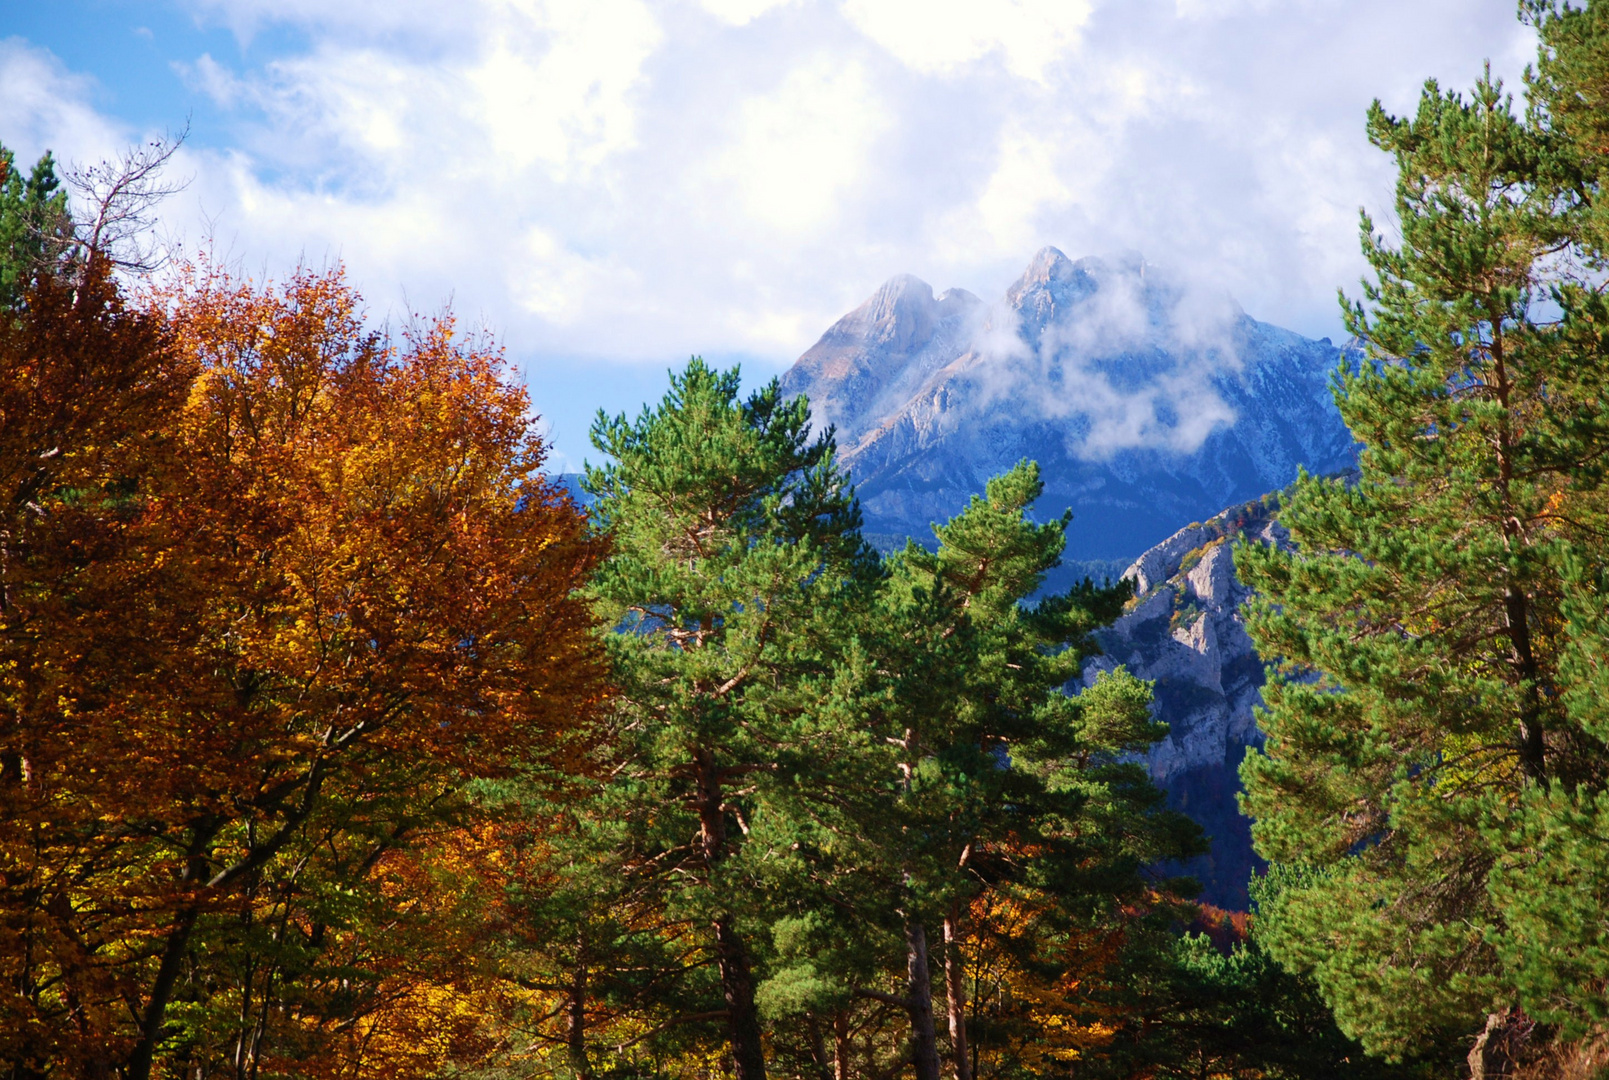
338,740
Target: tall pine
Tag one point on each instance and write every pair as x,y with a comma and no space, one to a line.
991,822
35,228
1013,791
733,531
1435,742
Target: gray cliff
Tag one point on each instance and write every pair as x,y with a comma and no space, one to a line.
1184,630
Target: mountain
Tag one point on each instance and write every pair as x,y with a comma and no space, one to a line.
1149,402
1146,400
1183,629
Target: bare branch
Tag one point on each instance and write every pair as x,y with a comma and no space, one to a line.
117,201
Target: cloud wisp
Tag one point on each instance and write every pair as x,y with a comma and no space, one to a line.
1120,354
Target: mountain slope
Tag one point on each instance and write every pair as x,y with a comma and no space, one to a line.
1146,402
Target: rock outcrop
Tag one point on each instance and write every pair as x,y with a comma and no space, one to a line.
1185,631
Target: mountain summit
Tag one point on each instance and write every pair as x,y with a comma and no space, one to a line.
1148,400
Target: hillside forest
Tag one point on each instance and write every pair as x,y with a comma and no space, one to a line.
337,740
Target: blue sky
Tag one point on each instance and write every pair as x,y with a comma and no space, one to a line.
612,185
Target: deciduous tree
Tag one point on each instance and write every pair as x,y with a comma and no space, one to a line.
275,587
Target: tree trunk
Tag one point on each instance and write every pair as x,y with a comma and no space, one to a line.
956,995
919,1004
167,974
840,1046
1533,747
1516,604
818,1047
737,984
575,1025
743,1019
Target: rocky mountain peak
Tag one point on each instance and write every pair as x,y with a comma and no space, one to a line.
1053,272
1146,399
1047,265
881,351
1110,303
903,314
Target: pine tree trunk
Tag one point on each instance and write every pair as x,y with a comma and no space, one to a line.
840,1047
956,995
919,1004
575,1026
1516,604
743,1019
737,984
1533,747
818,1047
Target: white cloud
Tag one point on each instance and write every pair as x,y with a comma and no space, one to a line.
1027,180
802,147
941,36
552,282
44,106
1220,9
638,181
556,81
741,12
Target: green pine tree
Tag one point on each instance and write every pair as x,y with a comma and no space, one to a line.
996,781
734,533
35,229
1434,744
1005,765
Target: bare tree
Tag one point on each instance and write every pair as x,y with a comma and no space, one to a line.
114,219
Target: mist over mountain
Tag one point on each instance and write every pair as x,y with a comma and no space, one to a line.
1149,400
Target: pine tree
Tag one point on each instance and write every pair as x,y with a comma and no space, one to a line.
1431,720
1000,789
732,532
35,228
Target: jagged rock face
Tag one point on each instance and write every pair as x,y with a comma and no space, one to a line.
1146,403
872,360
1185,631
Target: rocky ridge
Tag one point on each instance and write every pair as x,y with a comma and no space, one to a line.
1184,630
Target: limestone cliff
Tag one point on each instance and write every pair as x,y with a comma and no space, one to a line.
1184,630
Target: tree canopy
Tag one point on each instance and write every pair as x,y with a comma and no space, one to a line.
1435,752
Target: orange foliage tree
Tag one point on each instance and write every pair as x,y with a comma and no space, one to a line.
273,588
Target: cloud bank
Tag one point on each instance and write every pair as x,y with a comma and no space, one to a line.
618,181
1132,357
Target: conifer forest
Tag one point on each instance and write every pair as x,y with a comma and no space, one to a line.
340,739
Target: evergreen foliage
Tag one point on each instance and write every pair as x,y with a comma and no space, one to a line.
734,539
1435,751
35,228
1000,808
